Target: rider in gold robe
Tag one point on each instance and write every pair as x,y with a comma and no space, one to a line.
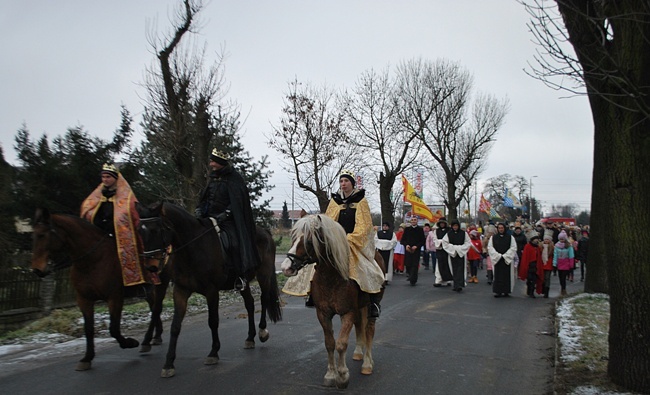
111,206
350,208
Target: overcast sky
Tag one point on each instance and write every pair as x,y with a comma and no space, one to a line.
71,63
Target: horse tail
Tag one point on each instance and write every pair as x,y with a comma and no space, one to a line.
266,276
273,305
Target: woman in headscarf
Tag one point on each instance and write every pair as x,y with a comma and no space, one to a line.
502,249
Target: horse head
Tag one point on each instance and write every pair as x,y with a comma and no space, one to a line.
156,235
317,239
45,241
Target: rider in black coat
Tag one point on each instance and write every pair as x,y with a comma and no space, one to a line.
226,198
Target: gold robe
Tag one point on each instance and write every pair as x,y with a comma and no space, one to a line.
125,219
363,268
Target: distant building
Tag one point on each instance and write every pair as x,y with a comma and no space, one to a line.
294,215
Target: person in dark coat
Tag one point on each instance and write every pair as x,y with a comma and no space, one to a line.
520,239
413,240
583,252
226,198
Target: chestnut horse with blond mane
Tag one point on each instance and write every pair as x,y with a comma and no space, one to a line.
321,240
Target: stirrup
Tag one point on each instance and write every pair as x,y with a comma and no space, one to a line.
374,310
240,284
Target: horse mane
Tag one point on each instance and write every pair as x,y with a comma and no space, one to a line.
87,226
329,241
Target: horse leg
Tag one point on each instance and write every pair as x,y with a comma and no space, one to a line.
153,336
213,321
249,302
343,377
360,332
155,323
264,333
115,305
368,362
87,310
330,379
180,308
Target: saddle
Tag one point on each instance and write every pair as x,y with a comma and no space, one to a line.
224,238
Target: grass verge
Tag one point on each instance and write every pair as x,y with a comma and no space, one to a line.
582,323
66,324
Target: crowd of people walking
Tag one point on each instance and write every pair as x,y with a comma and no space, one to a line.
534,254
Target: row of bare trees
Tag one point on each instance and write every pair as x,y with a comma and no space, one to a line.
424,115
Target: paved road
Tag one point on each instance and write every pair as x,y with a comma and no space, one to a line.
429,341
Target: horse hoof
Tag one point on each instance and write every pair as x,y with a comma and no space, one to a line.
81,366
341,385
211,361
156,341
264,335
248,344
130,343
366,370
167,373
145,348
329,382
357,357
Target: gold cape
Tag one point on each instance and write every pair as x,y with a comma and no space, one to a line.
125,219
363,268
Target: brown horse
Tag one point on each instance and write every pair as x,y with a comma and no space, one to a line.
96,274
321,240
199,265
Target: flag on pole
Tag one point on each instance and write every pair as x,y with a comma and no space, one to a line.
510,200
418,206
484,206
493,213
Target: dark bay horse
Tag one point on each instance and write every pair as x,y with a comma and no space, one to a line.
96,274
199,264
321,240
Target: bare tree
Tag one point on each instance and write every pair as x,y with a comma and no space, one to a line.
312,140
434,100
389,148
611,40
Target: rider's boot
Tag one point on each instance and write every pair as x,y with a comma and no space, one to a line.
374,308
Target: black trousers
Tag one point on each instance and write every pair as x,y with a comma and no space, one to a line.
412,263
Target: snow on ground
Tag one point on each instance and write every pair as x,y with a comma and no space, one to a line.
569,332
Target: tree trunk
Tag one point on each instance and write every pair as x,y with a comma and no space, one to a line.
601,219
387,208
627,249
323,200
615,70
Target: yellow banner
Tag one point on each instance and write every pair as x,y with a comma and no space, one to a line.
418,206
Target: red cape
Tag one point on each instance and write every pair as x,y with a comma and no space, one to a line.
532,254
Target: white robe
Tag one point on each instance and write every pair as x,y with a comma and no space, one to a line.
455,250
508,257
384,245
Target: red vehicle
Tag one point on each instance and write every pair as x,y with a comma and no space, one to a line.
562,220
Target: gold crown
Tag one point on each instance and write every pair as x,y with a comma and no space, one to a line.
349,173
110,168
220,154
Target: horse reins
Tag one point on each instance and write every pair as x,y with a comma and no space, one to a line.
148,254
86,253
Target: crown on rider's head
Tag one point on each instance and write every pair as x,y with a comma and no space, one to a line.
220,157
110,169
349,175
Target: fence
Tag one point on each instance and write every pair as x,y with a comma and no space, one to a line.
24,296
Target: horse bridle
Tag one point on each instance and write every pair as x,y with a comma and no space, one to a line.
163,249
298,262
158,253
67,263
